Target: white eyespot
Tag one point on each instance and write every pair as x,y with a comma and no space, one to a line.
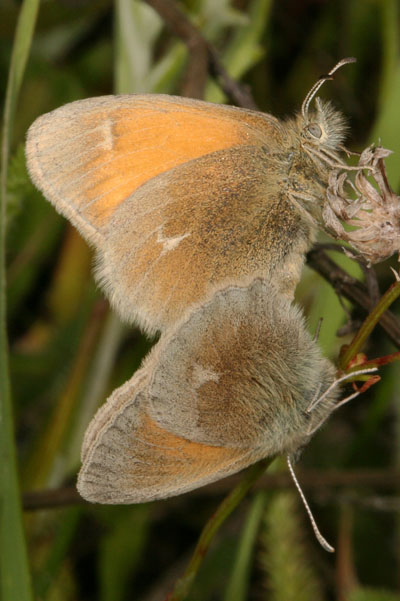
315,130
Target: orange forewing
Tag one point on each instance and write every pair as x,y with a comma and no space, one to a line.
91,155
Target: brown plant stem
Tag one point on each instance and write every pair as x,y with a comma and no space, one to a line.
310,479
352,289
203,56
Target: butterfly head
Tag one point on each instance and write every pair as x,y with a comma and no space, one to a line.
314,139
323,129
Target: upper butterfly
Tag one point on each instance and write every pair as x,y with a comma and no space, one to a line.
182,197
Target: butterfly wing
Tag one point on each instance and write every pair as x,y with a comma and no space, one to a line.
89,156
129,458
240,371
212,222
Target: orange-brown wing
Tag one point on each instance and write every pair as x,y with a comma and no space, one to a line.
129,458
89,156
221,219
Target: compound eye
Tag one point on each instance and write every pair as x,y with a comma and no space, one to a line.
315,130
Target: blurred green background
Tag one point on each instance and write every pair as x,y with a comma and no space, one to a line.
68,352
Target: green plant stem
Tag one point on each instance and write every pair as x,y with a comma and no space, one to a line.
237,589
15,581
231,501
370,322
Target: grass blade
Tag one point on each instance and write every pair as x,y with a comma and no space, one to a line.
237,589
14,571
184,584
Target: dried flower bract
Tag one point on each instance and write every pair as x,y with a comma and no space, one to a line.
374,213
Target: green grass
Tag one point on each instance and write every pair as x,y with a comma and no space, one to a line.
15,582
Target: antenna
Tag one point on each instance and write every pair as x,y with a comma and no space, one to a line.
322,541
314,403
320,82
318,399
